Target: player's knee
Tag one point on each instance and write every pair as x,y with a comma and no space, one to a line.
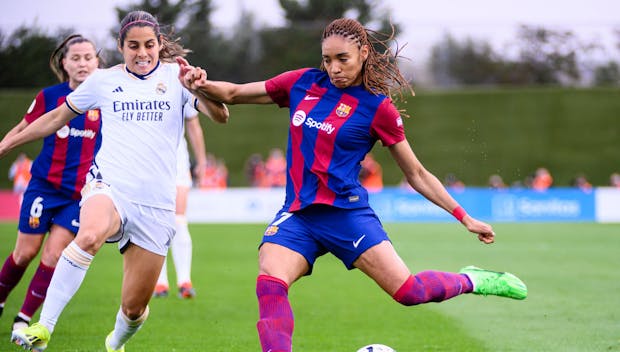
50,258
409,293
23,256
90,240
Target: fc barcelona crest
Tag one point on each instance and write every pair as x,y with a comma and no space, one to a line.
33,222
92,115
343,110
271,230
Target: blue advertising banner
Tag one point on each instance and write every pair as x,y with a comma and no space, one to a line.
509,205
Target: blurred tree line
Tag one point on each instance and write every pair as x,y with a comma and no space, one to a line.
247,52
244,53
539,56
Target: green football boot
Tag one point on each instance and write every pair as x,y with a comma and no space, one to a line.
107,344
487,282
32,338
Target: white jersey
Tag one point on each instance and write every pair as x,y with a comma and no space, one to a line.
142,123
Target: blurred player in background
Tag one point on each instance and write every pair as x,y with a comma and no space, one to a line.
181,245
614,180
215,176
542,179
275,168
20,174
336,116
130,192
51,201
255,171
496,182
371,174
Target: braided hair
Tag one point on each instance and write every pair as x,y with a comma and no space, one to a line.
380,74
170,48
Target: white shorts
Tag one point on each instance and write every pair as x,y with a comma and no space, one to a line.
184,175
146,227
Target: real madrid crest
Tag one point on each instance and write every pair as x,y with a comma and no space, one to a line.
161,88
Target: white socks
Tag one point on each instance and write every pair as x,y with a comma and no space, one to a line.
182,250
163,274
68,276
125,328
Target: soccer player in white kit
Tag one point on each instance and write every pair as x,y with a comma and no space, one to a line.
181,245
129,197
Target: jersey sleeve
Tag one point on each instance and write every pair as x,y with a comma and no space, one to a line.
387,125
36,109
86,95
189,112
279,87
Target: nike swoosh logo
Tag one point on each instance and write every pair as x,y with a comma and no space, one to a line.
36,294
310,97
75,223
357,243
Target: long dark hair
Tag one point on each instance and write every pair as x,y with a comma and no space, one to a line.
170,48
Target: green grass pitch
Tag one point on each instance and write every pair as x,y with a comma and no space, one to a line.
572,272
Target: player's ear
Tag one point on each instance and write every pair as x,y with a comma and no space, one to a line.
364,51
118,46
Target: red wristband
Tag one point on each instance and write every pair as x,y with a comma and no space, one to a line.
459,213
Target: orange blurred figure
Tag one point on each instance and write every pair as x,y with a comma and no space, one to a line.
216,174
19,173
275,168
542,179
371,174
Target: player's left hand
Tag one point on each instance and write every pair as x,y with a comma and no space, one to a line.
184,68
483,230
191,77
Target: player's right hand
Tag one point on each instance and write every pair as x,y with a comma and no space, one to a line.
483,230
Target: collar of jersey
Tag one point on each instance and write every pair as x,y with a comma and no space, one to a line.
145,76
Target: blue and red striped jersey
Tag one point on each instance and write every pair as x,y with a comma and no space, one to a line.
330,132
67,154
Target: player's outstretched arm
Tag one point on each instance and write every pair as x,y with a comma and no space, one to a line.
432,189
45,125
225,92
15,130
189,76
216,110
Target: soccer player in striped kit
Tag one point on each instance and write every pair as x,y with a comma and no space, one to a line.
51,201
129,196
337,114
